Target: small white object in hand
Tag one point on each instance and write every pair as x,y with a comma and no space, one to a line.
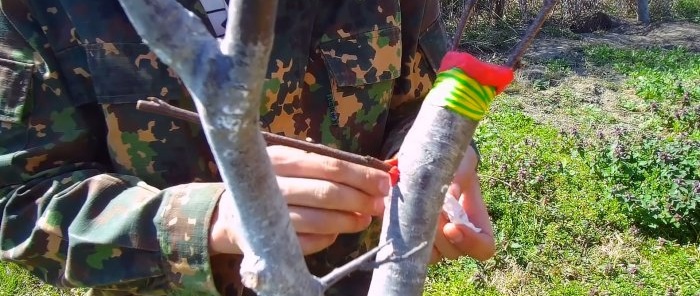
456,213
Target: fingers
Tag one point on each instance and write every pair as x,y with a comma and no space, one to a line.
465,241
222,229
317,229
312,243
328,195
467,168
443,245
291,162
480,245
319,221
455,189
455,240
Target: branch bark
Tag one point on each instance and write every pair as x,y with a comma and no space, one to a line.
225,81
499,9
428,159
534,28
466,13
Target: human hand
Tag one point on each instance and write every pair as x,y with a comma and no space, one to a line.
455,240
325,197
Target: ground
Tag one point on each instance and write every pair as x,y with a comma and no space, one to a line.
592,87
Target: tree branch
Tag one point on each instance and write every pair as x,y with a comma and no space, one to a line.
532,31
428,159
158,106
226,85
357,263
466,13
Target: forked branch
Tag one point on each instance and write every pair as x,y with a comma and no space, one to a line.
225,81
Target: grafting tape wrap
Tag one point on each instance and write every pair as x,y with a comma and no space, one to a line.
461,94
467,86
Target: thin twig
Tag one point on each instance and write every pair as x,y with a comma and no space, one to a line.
466,13
158,106
397,258
364,262
519,51
357,263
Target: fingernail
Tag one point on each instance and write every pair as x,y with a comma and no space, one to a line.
379,206
385,186
456,238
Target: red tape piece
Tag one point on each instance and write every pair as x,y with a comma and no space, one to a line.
394,171
483,72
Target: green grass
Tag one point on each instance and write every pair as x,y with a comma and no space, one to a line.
558,232
16,281
688,9
656,170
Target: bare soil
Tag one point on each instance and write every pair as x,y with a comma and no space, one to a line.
585,96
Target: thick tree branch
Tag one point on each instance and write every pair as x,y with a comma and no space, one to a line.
226,85
428,160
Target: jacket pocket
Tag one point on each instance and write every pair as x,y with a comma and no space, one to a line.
362,70
15,80
128,72
15,83
364,58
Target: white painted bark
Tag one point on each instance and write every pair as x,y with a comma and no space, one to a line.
225,81
428,159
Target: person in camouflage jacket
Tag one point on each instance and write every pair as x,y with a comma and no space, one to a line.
97,194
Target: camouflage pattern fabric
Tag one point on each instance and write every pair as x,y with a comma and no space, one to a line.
97,194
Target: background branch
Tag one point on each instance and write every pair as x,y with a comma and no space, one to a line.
464,18
517,54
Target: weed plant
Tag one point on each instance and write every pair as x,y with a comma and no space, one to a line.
656,170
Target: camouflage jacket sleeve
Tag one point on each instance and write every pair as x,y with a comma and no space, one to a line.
69,213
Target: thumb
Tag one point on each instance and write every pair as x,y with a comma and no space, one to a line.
455,190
